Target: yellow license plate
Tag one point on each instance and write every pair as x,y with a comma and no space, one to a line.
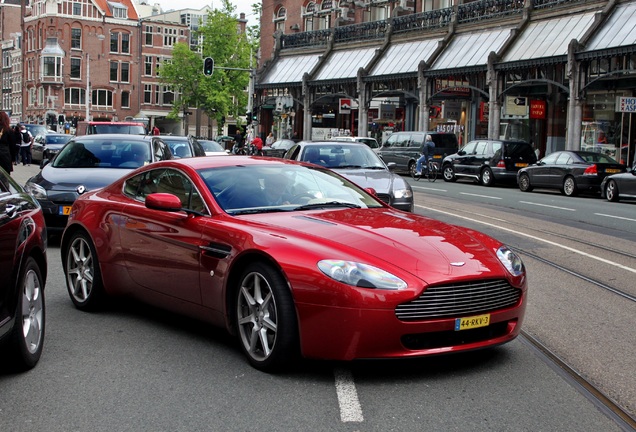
437,156
65,210
521,165
472,322
612,170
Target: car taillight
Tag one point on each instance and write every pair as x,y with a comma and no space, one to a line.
501,164
591,170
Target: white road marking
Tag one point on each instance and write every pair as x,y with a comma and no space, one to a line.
576,251
615,217
429,188
545,205
480,196
350,409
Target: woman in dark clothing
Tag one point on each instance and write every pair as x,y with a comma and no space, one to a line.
7,143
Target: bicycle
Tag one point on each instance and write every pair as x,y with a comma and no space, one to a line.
432,170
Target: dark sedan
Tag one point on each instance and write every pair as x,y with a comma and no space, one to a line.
90,162
23,275
569,171
48,145
278,148
184,146
361,165
620,186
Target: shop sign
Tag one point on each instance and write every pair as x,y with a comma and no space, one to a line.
626,104
516,107
387,111
537,109
452,86
484,111
345,106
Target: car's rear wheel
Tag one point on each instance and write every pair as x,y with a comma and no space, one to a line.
487,177
524,183
569,186
449,173
27,337
611,191
265,318
83,277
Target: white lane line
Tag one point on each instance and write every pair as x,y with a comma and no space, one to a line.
479,196
350,409
594,257
545,205
615,217
429,188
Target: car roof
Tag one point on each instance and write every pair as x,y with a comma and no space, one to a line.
114,137
231,160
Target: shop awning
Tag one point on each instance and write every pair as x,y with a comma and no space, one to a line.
549,38
404,57
290,69
472,49
344,64
617,31
150,113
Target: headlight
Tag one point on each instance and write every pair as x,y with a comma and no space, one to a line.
403,193
35,190
511,261
360,275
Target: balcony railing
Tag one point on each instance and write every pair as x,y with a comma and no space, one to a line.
475,11
542,4
423,21
310,38
363,31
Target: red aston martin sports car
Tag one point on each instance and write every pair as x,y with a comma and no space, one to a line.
293,259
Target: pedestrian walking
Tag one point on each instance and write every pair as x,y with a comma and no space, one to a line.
155,130
270,139
7,143
16,144
25,145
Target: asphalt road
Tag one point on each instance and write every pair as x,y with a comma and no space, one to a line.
135,368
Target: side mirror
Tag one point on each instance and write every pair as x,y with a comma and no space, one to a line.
371,191
44,163
461,152
391,166
163,201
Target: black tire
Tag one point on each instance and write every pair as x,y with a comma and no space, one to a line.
611,191
83,276
449,173
25,343
413,170
524,183
487,178
569,187
265,318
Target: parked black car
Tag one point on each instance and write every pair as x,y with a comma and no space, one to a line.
48,145
361,165
89,162
569,171
278,148
403,148
488,161
23,271
619,186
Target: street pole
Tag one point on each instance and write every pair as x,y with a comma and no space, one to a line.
88,87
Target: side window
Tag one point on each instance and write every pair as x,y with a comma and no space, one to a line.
160,150
417,140
563,159
470,148
481,147
403,140
496,150
550,159
292,153
172,182
391,141
198,149
132,186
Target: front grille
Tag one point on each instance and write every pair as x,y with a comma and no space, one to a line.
384,198
460,299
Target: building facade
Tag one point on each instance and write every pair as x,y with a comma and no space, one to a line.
557,73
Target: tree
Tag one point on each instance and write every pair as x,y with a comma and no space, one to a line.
223,93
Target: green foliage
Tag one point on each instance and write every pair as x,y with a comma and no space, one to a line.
224,92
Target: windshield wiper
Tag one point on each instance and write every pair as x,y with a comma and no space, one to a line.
327,204
259,210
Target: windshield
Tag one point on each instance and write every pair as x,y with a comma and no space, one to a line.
279,188
58,139
342,156
211,146
100,153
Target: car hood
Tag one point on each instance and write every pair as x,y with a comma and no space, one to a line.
62,179
428,249
380,180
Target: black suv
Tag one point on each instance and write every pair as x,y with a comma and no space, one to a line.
488,161
403,148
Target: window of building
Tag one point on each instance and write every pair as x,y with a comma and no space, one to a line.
119,10
148,35
74,96
102,98
125,43
76,68
125,72
279,19
52,67
168,96
125,99
77,9
114,42
309,16
147,93
148,66
114,71
169,36
76,38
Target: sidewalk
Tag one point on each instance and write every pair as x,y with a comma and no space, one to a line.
23,173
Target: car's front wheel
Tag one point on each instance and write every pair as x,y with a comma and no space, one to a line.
265,318
611,191
83,277
27,337
449,173
569,187
524,183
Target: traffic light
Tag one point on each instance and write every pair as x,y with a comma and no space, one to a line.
208,66
248,116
